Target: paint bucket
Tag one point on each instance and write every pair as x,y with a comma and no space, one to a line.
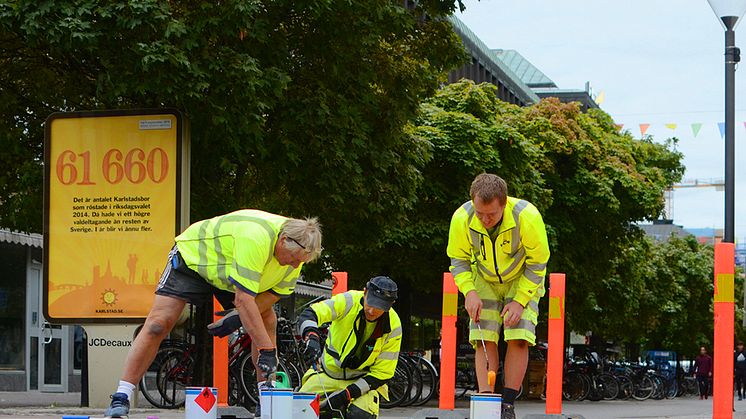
302,406
281,380
486,406
201,403
276,403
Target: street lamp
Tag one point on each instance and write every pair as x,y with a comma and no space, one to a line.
729,12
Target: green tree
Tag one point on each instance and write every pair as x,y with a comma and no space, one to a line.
296,107
660,296
589,181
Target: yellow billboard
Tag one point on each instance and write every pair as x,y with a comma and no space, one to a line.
112,207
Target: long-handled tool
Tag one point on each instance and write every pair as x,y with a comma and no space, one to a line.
490,374
323,387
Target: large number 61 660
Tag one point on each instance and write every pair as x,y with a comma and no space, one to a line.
136,167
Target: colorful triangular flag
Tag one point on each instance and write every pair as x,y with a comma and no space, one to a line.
721,126
671,126
644,128
695,129
600,97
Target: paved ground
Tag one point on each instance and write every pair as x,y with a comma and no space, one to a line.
35,405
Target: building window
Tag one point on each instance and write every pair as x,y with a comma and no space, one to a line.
12,306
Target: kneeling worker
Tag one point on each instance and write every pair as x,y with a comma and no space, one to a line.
362,349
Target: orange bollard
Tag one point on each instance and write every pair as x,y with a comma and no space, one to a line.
722,374
556,349
220,361
340,282
448,344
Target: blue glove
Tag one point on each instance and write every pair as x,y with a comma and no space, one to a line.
229,323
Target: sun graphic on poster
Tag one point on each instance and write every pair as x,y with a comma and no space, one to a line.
109,297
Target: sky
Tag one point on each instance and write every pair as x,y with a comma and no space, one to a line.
656,61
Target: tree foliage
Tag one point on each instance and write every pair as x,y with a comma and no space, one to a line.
295,106
315,107
591,184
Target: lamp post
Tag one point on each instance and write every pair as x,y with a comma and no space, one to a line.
729,12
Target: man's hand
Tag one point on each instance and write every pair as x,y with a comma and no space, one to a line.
339,400
312,351
511,313
267,362
229,323
473,305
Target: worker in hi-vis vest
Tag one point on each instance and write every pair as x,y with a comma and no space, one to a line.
247,259
499,252
360,353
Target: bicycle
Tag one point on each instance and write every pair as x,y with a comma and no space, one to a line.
164,383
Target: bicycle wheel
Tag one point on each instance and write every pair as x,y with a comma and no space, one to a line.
660,387
148,385
173,377
608,385
295,374
588,388
399,386
572,386
672,389
626,387
415,388
430,383
644,388
247,376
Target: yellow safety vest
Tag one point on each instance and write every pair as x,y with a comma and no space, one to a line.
379,353
520,251
237,250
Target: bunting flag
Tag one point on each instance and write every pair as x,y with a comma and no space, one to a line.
600,98
696,127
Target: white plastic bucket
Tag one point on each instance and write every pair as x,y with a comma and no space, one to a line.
276,403
486,406
201,403
302,408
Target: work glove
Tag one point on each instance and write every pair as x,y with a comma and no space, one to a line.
267,362
312,351
229,323
339,400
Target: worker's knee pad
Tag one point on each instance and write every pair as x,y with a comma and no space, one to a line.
355,412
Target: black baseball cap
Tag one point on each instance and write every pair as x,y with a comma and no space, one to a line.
382,292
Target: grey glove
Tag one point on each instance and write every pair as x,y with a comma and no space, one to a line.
267,362
339,400
312,351
229,323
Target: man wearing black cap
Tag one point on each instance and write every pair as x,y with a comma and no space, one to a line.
361,350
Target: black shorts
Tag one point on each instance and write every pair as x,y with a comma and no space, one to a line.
180,282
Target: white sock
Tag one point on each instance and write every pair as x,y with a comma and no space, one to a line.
126,388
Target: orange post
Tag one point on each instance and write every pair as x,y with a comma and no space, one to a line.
220,361
340,282
722,374
556,349
448,343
